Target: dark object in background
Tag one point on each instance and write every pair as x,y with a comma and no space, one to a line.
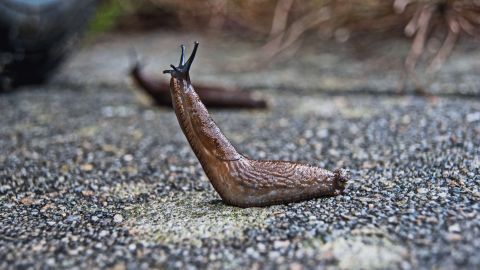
35,36
212,96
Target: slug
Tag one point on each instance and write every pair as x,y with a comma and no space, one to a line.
214,96
239,180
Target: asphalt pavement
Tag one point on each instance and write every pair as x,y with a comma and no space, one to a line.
92,176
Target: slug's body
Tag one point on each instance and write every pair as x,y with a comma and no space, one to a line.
241,181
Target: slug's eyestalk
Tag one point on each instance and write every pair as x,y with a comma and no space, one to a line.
183,69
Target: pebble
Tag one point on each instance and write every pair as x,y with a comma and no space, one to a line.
422,190
117,218
454,237
261,247
455,228
280,244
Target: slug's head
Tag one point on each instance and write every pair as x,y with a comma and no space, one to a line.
182,71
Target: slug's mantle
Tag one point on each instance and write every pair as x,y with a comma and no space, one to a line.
241,181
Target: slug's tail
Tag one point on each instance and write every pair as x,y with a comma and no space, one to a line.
183,69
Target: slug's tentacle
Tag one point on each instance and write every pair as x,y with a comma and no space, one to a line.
241,181
183,70
182,56
192,56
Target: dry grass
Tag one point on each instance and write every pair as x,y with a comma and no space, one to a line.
283,24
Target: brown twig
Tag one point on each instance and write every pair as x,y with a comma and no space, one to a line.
419,27
443,52
280,16
456,16
287,38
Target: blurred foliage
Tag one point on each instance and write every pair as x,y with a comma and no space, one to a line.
283,24
252,17
262,18
106,17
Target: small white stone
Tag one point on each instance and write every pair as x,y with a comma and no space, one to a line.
273,254
251,252
281,244
454,228
472,117
322,133
422,190
117,218
261,247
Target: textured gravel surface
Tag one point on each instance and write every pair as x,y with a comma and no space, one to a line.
91,177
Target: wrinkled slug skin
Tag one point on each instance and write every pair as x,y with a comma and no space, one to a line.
241,181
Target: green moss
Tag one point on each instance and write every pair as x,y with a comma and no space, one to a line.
364,248
126,190
193,216
106,16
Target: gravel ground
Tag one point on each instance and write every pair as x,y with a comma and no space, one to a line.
91,177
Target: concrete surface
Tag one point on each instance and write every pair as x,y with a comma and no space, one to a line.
93,177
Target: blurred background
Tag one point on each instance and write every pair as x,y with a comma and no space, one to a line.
433,26
423,33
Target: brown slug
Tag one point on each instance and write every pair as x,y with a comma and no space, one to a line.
213,96
241,181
